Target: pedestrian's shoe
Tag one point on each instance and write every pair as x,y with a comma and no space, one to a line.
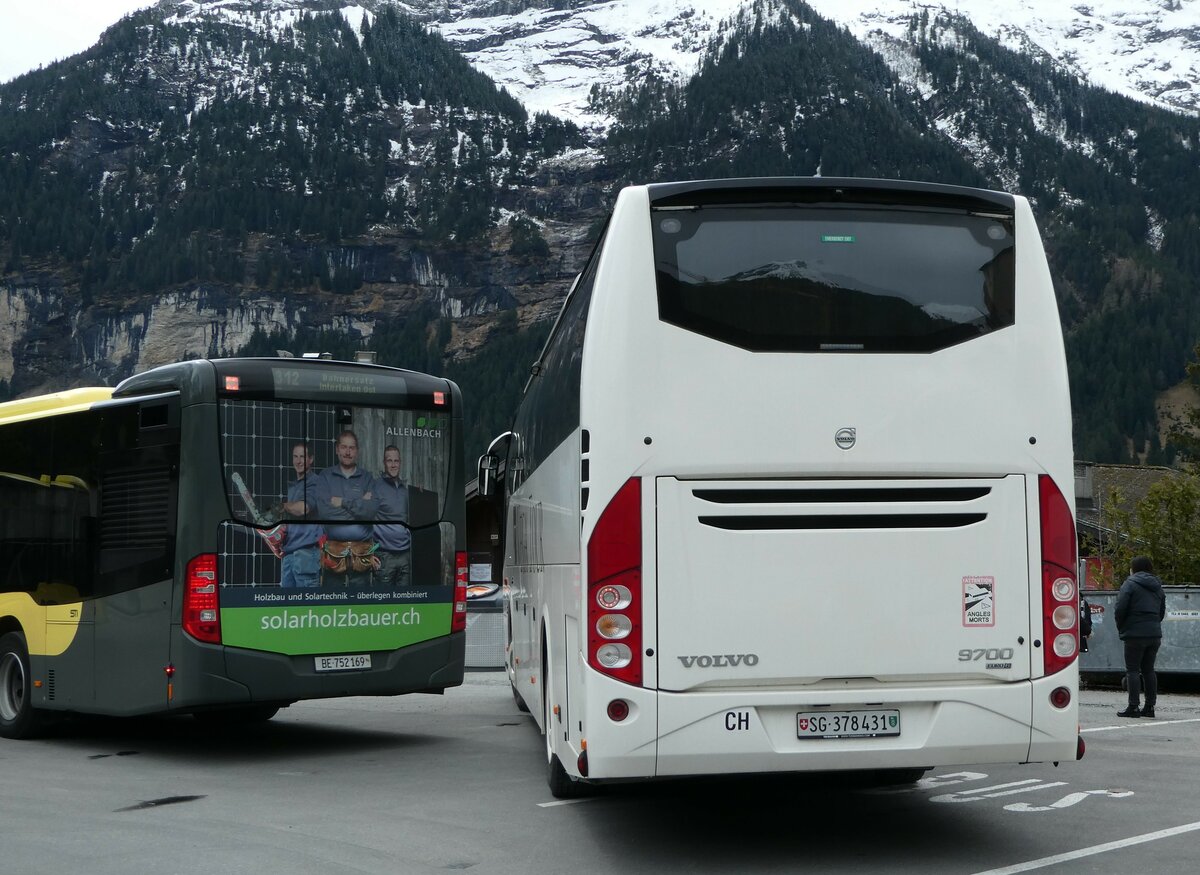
1147,712
1131,711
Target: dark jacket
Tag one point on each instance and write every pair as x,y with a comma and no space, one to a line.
1141,606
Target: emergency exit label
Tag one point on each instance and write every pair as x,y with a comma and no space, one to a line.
979,601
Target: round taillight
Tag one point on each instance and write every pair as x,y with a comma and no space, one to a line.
1064,645
614,655
1064,617
614,626
1063,589
614,597
1060,697
618,710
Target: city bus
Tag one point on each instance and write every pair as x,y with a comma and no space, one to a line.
144,540
790,490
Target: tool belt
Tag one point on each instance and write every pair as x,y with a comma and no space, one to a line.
342,557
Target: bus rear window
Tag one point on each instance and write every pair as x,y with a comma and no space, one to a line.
802,279
334,464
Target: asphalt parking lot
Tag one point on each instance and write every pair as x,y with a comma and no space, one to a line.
430,784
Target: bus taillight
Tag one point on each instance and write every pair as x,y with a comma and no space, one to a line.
1060,593
458,618
201,601
614,592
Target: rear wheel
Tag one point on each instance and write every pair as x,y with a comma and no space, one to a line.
18,717
521,706
896,777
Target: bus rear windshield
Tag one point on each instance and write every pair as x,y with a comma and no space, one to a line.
352,470
805,279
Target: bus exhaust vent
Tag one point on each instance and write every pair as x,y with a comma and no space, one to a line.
907,495
844,521
50,685
850,507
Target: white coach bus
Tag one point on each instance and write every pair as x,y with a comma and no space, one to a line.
790,489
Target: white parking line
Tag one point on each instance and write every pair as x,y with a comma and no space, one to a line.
1138,724
1092,851
558,802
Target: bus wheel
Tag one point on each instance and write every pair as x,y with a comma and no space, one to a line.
521,706
18,717
562,785
896,777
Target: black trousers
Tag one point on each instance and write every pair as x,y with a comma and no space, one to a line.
1139,666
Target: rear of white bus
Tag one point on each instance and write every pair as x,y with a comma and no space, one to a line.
831,516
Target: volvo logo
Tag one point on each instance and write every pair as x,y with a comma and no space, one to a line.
844,438
721,660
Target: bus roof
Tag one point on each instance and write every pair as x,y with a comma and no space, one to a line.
69,401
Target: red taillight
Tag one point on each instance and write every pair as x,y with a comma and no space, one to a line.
614,591
201,601
1060,592
458,618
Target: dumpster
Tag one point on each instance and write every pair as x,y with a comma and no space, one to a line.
1180,651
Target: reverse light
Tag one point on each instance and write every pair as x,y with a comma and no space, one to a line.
613,656
458,617
614,581
1064,645
201,601
1064,617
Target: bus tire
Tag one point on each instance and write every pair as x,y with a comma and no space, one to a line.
521,706
896,777
18,717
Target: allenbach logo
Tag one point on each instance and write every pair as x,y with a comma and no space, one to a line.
720,660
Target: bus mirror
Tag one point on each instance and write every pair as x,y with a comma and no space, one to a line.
488,466
489,463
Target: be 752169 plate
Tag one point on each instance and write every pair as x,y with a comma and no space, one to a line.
344,662
848,724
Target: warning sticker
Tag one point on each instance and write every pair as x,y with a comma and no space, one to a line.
979,601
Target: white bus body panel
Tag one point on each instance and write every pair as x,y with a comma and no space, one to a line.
837,618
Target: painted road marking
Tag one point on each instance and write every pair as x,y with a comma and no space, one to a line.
1004,790
1068,800
559,802
1093,850
1140,724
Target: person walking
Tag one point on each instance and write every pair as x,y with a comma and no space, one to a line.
1141,606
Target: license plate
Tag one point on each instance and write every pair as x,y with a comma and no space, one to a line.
847,724
351,662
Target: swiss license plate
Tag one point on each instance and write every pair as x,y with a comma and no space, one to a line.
344,662
847,724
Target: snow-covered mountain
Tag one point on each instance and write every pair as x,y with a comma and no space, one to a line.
550,57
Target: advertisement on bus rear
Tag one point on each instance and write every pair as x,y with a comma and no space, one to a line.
336,542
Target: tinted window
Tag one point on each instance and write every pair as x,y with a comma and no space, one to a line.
797,279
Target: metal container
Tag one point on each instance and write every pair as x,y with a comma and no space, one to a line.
1180,651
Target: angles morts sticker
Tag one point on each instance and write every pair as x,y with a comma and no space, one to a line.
979,601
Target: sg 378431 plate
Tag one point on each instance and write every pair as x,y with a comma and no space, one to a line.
848,724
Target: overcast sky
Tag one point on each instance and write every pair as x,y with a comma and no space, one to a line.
38,32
